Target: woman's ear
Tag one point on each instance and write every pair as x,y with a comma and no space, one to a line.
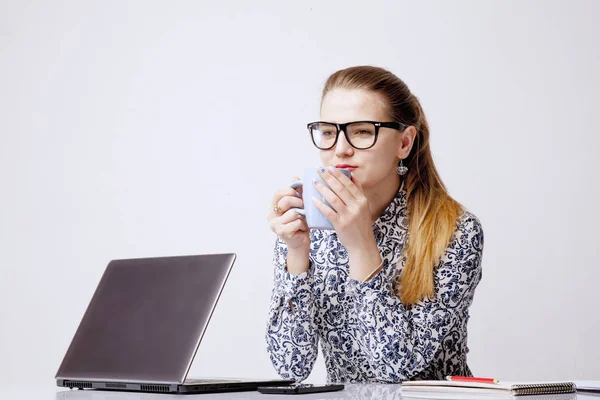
406,142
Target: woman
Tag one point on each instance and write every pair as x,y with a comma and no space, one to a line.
388,292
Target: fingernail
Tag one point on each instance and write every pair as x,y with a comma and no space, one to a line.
298,195
321,170
332,168
315,181
314,199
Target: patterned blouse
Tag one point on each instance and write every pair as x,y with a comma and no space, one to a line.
366,333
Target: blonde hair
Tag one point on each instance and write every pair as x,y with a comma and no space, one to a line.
432,213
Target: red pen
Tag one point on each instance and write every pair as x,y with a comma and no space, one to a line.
471,379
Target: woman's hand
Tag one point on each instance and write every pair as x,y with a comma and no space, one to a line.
286,223
351,218
351,215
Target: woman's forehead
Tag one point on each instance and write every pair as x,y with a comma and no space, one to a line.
345,105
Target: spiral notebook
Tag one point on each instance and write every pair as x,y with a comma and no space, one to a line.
588,386
504,389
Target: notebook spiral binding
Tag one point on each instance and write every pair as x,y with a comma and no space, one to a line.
540,388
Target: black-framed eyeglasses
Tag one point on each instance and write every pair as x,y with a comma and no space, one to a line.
361,135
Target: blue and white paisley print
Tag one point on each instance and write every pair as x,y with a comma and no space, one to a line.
366,333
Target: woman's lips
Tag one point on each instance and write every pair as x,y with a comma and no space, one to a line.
346,167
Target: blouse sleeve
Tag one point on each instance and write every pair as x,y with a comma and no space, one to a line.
291,332
400,342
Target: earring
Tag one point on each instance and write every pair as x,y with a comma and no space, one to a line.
401,169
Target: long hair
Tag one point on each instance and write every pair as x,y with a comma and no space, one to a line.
432,213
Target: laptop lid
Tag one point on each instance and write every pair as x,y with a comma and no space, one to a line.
146,319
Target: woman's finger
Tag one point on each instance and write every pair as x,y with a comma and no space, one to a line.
351,185
288,202
330,214
336,203
290,229
288,216
279,194
298,225
330,176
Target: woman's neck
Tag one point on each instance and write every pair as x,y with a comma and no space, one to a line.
381,196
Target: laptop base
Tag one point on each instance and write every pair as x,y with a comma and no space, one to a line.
240,386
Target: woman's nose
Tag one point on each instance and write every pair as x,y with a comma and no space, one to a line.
342,146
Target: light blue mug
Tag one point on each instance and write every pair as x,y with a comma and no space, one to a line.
314,218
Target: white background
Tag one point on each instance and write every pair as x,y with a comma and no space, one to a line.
147,128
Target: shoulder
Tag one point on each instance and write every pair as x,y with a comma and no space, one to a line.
460,267
466,246
468,237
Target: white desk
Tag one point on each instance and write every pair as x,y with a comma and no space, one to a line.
371,392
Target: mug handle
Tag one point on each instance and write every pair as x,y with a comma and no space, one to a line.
295,185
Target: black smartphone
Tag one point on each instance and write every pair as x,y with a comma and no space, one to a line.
300,389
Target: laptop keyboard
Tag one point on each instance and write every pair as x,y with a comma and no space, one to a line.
205,381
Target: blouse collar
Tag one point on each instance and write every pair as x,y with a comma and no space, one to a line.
393,223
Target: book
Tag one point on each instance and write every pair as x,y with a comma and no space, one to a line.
588,386
447,396
477,390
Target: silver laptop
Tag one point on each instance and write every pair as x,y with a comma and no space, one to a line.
144,324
